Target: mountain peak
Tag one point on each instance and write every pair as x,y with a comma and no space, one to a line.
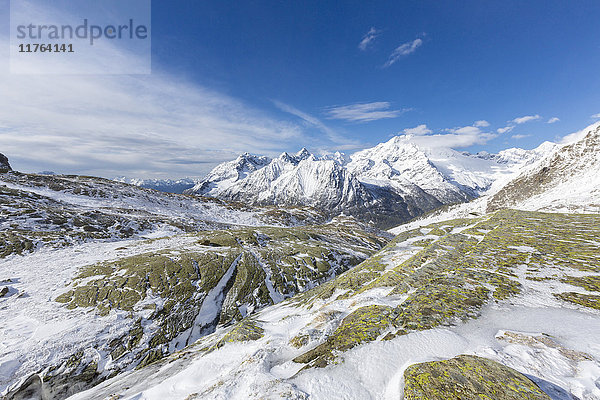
303,154
4,164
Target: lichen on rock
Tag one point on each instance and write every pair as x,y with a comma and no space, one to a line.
468,377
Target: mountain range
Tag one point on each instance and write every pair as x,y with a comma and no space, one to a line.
384,185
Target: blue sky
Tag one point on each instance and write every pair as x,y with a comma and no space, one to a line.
276,76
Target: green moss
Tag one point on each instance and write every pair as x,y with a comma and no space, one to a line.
451,278
246,330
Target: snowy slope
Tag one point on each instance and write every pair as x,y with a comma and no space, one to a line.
108,307
59,210
567,179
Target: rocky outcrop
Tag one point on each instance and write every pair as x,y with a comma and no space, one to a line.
4,164
468,377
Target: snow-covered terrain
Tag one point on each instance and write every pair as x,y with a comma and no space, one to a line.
99,278
561,177
524,324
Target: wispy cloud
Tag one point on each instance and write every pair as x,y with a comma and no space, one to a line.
364,112
368,38
155,125
505,129
481,123
458,137
553,120
403,50
512,124
331,134
418,130
595,116
517,137
134,126
526,118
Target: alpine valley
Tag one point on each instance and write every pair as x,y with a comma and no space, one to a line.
397,272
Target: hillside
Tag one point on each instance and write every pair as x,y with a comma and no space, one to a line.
517,289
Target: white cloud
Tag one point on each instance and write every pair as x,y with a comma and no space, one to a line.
553,120
418,130
403,50
505,129
481,123
517,137
595,116
364,112
517,121
526,118
154,125
146,126
460,137
468,130
368,38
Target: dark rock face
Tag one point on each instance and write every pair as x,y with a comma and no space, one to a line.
468,377
4,165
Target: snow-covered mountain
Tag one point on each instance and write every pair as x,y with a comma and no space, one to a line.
566,179
561,177
387,184
162,185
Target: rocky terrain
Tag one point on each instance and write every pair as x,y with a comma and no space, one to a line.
516,291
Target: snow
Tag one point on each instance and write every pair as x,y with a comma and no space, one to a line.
205,321
35,329
374,370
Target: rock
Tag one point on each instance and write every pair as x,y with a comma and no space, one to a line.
30,389
246,330
3,292
4,165
468,377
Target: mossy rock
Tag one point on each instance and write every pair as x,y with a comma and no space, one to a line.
468,377
299,341
590,283
363,325
586,300
246,330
